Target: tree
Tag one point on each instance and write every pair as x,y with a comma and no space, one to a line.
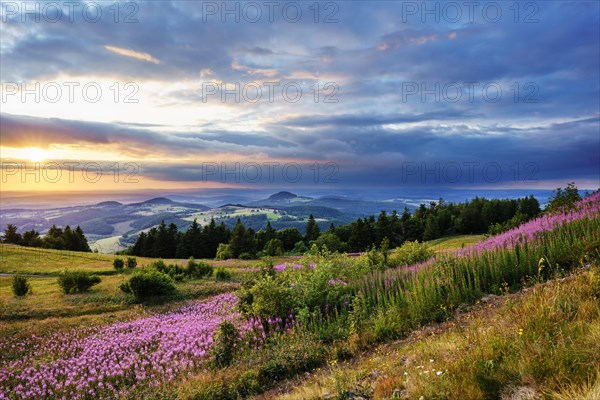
223,252
71,239
274,247
215,235
529,207
331,241
289,237
166,241
432,229
192,243
11,235
312,229
140,243
82,242
331,228
299,248
270,232
362,234
237,242
563,198
54,239
32,238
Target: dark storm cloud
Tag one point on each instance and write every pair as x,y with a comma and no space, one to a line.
371,52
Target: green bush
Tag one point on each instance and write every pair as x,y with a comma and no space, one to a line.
223,252
410,253
299,248
149,283
131,262
225,343
246,256
267,297
222,274
118,263
20,286
77,281
174,271
198,269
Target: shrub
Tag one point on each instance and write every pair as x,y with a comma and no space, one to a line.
20,285
299,248
124,286
198,269
270,296
225,341
246,256
222,274
149,283
118,263
77,281
411,253
174,271
131,262
205,269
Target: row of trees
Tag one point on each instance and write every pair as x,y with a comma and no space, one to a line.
426,223
431,222
56,238
166,241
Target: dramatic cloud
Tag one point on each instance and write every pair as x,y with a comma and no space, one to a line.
375,87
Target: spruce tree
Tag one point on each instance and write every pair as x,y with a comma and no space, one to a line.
312,229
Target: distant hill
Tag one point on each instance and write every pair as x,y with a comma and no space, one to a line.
157,200
109,204
351,208
282,196
119,224
107,219
163,201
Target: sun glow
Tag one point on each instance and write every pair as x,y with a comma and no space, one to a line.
35,154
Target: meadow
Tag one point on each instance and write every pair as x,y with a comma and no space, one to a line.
544,341
272,321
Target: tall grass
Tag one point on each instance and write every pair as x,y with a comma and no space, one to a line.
436,290
395,301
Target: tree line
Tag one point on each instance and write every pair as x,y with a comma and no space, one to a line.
56,238
427,222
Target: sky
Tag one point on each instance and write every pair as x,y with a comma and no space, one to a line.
105,96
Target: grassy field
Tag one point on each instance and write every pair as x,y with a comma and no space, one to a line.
541,342
204,217
29,260
454,242
46,306
47,309
462,330
37,261
47,301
